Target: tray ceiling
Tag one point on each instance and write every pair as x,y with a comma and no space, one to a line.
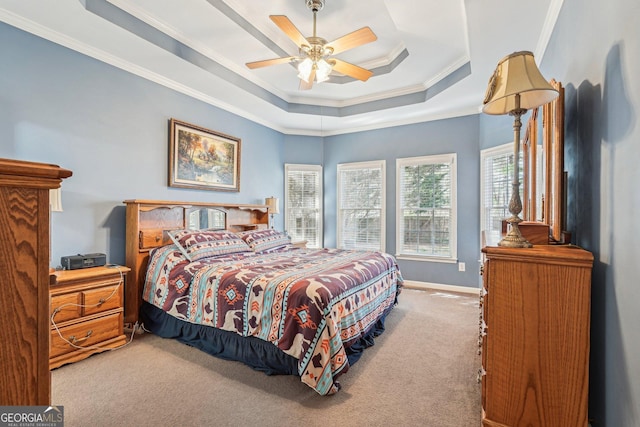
432,58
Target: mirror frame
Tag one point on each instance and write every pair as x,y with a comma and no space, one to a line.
545,133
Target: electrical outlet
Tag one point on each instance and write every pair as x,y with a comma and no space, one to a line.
461,266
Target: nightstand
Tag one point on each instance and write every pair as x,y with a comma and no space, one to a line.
87,310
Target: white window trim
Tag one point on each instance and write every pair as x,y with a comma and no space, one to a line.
451,158
364,165
311,168
489,152
499,150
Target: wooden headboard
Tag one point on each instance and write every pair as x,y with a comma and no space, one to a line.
148,221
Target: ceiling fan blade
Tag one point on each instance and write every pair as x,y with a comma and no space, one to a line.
351,70
289,29
307,85
357,38
267,62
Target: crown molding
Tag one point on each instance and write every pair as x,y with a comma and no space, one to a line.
547,29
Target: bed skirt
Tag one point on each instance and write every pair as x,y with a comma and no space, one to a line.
254,352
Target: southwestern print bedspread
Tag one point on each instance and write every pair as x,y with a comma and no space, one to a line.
310,303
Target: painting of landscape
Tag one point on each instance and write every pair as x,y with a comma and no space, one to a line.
202,158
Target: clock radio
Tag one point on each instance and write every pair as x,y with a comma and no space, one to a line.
74,262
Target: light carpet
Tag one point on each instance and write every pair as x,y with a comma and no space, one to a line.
420,372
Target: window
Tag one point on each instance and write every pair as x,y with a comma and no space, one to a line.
303,203
426,225
496,171
361,204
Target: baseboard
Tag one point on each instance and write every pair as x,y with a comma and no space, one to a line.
424,286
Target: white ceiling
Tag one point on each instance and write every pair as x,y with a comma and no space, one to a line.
432,58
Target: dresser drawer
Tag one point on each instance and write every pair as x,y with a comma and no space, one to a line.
66,307
85,334
102,299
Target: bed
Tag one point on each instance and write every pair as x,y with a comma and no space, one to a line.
218,278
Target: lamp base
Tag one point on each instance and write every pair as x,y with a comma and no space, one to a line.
514,239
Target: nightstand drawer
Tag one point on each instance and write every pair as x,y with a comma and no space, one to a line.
85,334
102,299
65,307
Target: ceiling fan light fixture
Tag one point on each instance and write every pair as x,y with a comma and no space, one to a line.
323,69
305,50
314,59
304,69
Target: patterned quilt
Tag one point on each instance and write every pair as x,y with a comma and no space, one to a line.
310,303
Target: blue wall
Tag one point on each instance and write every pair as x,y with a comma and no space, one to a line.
459,135
305,150
598,59
111,129
595,52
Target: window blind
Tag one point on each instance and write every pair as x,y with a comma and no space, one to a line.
497,176
303,203
360,206
426,207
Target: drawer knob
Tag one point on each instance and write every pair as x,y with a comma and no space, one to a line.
100,302
75,340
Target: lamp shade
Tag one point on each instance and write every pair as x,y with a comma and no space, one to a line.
517,74
274,205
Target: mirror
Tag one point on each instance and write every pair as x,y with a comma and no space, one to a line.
543,166
206,218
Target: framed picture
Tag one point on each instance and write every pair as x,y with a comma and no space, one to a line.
203,159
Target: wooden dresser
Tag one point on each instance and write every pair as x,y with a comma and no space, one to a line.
24,262
534,336
87,310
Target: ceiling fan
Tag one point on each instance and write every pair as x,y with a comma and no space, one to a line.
315,61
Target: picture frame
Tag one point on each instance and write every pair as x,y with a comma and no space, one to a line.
203,159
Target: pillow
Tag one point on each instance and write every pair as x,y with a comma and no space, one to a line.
264,240
198,244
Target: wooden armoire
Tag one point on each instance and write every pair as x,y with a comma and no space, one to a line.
24,262
534,336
